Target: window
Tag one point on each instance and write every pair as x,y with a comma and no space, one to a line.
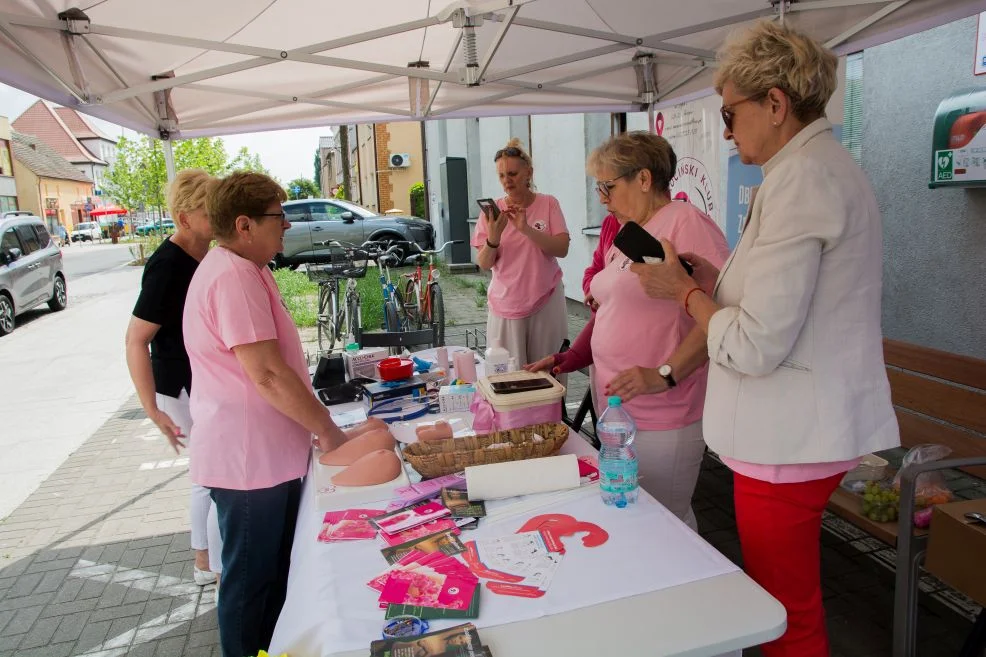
8,204
44,239
9,241
327,212
296,213
852,122
28,238
5,168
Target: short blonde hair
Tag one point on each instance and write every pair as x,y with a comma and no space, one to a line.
241,193
188,191
635,151
771,55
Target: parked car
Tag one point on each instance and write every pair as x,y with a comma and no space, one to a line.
87,231
320,220
154,227
31,270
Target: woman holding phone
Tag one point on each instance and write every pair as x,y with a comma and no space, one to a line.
520,239
648,352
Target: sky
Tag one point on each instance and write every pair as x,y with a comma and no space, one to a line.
288,154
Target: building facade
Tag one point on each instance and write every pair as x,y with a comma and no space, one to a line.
8,185
48,185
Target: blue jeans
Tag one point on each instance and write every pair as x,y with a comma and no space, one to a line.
257,528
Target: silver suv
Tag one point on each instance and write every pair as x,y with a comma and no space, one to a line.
321,220
30,269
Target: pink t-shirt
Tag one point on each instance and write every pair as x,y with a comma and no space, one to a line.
239,441
524,276
632,329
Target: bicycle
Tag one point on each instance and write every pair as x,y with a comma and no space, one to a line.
423,301
333,316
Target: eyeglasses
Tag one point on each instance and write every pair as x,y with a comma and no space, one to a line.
509,151
605,186
728,112
271,214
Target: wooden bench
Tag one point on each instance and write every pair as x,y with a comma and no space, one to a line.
939,397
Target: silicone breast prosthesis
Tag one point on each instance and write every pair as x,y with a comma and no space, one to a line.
368,455
441,430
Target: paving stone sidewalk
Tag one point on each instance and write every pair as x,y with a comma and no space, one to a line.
97,562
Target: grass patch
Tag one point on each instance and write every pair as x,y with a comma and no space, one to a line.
300,296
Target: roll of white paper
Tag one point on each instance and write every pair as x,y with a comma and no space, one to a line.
498,480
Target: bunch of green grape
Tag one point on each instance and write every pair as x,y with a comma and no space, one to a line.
880,503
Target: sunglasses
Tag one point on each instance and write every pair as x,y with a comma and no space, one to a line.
510,151
604,187
728,112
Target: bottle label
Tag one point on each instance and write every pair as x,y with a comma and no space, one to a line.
617,475
500,368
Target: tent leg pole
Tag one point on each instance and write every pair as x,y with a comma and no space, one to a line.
169,159
651,126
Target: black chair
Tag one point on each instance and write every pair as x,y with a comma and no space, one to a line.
423,339
585,408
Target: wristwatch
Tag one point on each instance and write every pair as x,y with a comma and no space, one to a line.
665,372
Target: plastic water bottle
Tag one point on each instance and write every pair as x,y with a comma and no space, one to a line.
617,458
497,358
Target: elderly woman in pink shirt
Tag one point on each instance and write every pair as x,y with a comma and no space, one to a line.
252,404
527,314
648,351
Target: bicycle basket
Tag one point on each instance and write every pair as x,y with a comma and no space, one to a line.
341,265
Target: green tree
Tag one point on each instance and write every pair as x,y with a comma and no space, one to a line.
202,153
305,188
418,206
246,161
318,172
123,182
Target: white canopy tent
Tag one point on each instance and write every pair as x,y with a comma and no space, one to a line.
188,68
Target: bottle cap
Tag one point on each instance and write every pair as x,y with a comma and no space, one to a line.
352,346
613,401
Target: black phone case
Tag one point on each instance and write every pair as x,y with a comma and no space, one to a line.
636,244
484,202
523,385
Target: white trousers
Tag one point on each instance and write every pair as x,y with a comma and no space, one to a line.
205,522
532,338
668,467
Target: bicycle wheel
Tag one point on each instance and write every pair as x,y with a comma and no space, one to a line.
354,319
437,311
411,304
322,319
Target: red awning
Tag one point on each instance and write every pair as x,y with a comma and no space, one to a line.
111,209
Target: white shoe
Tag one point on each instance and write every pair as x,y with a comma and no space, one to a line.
203,577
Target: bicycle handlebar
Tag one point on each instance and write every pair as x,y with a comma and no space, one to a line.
364,248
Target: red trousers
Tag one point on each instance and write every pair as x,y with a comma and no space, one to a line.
779,528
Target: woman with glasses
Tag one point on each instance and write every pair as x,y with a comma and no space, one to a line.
521,245
253,406
648,351
797,385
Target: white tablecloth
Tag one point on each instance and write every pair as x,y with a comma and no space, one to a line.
650,554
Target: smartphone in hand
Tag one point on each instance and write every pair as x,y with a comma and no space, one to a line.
637,244
489,207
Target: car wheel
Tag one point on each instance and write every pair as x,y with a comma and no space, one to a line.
6,314
59,296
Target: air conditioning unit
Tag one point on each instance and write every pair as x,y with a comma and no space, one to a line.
400,160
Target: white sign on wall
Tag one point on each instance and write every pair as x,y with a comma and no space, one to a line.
979,67
695,132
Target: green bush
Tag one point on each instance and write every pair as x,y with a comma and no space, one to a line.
418,205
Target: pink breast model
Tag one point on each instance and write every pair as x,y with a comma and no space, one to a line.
377,467
441,430
352,450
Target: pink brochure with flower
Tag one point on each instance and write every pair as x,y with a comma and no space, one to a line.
425,589
412,516
348,525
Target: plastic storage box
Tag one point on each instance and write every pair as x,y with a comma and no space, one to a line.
500,412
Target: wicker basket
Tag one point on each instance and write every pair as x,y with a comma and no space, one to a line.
441,457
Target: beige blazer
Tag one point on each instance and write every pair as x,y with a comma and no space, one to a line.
797,372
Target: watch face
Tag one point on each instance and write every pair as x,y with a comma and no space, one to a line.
664,370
